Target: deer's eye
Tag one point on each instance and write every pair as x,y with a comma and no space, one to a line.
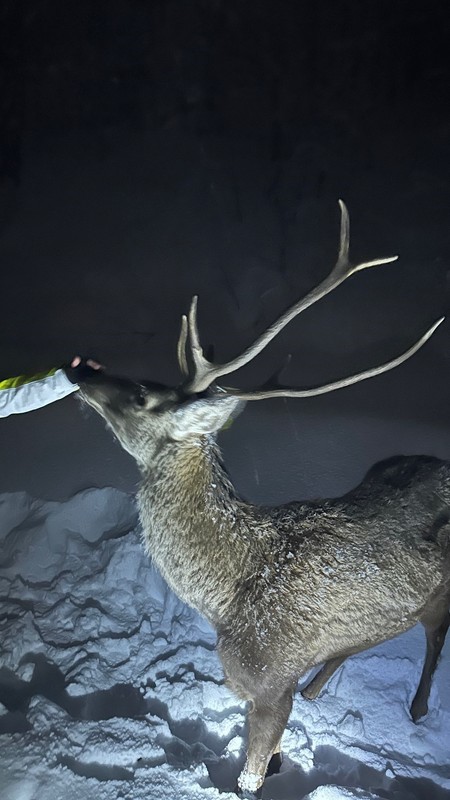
140,399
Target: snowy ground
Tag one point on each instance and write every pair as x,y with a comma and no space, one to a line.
111,687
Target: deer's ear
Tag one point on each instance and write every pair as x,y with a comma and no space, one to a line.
207,415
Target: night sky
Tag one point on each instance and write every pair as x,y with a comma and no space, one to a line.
153,150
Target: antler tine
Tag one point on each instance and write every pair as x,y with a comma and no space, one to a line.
206,372
343,267
344,241
202,367
340,384
181,347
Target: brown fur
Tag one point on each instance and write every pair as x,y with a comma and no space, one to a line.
291,587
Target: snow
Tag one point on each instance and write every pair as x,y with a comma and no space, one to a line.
111,687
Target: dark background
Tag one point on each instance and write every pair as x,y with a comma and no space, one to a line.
151,150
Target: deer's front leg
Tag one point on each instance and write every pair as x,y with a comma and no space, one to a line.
268,717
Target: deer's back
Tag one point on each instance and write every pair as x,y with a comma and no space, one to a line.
402,502
347,573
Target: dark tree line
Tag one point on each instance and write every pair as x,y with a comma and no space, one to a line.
263,69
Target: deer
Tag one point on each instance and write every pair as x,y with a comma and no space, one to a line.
292,587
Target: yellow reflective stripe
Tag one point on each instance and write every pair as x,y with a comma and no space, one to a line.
20,380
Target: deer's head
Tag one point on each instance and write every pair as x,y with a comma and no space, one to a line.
144,415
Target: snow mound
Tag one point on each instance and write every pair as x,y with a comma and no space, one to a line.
340,793
110,687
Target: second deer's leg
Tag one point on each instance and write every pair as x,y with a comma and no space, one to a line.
435,640
275,762
267,720
312,689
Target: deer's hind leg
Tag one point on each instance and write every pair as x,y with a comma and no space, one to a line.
315,686
436,629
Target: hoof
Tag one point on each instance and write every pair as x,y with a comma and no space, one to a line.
249,785
308,694
418,710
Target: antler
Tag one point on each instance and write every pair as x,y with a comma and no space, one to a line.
205,372
331,387
181,347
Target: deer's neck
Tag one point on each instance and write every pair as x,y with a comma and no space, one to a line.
193,524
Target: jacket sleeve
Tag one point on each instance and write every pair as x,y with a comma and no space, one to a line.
26,393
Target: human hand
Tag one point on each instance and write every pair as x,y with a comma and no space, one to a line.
81,368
